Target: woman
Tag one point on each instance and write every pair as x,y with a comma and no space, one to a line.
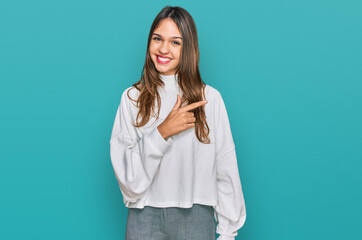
172,153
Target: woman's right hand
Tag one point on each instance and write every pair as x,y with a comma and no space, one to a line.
179,119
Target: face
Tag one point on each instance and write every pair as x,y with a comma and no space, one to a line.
165,47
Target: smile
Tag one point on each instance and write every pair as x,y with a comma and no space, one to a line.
163,60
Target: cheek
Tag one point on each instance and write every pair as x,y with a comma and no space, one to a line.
177,54
152,53
177,62
152,48
178,57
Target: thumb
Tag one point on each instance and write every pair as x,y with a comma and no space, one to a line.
178,103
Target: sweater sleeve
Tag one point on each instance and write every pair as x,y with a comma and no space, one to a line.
230,212
135,160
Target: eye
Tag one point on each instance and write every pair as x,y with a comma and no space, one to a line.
177,43
156,38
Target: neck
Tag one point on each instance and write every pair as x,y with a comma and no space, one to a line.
170,81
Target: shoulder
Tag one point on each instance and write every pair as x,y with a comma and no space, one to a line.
129,97
130,92
215,99
212,94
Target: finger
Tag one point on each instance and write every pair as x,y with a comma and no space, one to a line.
193,105
189,114
178,103
191,119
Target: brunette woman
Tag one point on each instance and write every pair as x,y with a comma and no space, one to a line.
171,147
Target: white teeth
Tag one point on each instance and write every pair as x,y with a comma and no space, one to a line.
163,59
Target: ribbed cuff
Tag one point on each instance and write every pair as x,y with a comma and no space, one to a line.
225,238
158,142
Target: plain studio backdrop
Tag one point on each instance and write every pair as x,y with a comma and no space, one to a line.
290,75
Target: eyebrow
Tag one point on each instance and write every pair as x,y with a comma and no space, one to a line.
171,37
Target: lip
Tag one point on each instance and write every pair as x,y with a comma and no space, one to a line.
162,62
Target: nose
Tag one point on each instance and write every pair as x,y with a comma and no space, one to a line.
163,49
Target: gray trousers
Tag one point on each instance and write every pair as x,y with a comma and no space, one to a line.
172,223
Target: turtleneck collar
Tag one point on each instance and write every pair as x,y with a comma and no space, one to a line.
170,81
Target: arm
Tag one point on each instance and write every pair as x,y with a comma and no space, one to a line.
135,160
230,212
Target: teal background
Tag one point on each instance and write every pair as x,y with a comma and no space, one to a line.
289,73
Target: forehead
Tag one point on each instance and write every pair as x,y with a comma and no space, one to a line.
167,27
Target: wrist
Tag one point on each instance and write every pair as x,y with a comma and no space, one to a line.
162,132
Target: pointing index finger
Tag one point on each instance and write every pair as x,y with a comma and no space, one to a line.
193,105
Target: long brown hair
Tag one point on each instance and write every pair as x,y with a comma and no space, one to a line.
188,74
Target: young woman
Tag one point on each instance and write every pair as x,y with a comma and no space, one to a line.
173,153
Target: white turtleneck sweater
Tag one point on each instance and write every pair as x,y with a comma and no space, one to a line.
179,171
